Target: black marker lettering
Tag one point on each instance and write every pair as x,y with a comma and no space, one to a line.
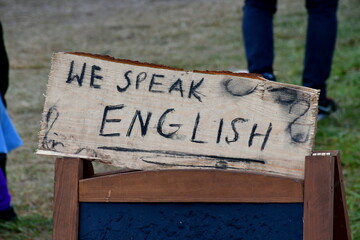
161,123
193,138
48,142
283,95
237,89
266,136
140,77
193,90
152,83
183,154
177,86
299,134
144,126
236,133
95,76
78,78
219,130
105,120
126,75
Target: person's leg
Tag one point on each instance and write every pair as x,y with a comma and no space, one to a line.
4,67
7,212
3,158
257,28
5,197
320,44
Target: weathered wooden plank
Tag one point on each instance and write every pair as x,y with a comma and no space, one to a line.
190,186
142,116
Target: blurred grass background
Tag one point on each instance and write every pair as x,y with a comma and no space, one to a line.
197,34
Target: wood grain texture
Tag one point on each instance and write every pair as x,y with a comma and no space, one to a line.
341,225
341,218
148,117
68,172
190,186
319,197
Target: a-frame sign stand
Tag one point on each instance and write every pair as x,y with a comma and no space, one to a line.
325,211
322,192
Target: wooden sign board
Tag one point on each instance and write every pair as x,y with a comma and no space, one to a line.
144,116
200,204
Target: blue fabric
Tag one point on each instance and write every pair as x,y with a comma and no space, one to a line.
320,44
257,27
258,36
5,196
9,138
205,221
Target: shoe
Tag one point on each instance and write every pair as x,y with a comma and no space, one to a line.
8,214
269,76
326,107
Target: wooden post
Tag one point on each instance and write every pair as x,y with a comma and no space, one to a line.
318,197
341,219
325,212
68,172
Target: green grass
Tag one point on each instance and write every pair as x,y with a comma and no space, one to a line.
29,227
202,35
342,131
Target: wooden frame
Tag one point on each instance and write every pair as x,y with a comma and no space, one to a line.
325,212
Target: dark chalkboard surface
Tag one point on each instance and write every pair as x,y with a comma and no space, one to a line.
247,221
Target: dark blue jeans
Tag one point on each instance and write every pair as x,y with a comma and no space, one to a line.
258,37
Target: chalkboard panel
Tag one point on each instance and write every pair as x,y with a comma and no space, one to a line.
191,221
